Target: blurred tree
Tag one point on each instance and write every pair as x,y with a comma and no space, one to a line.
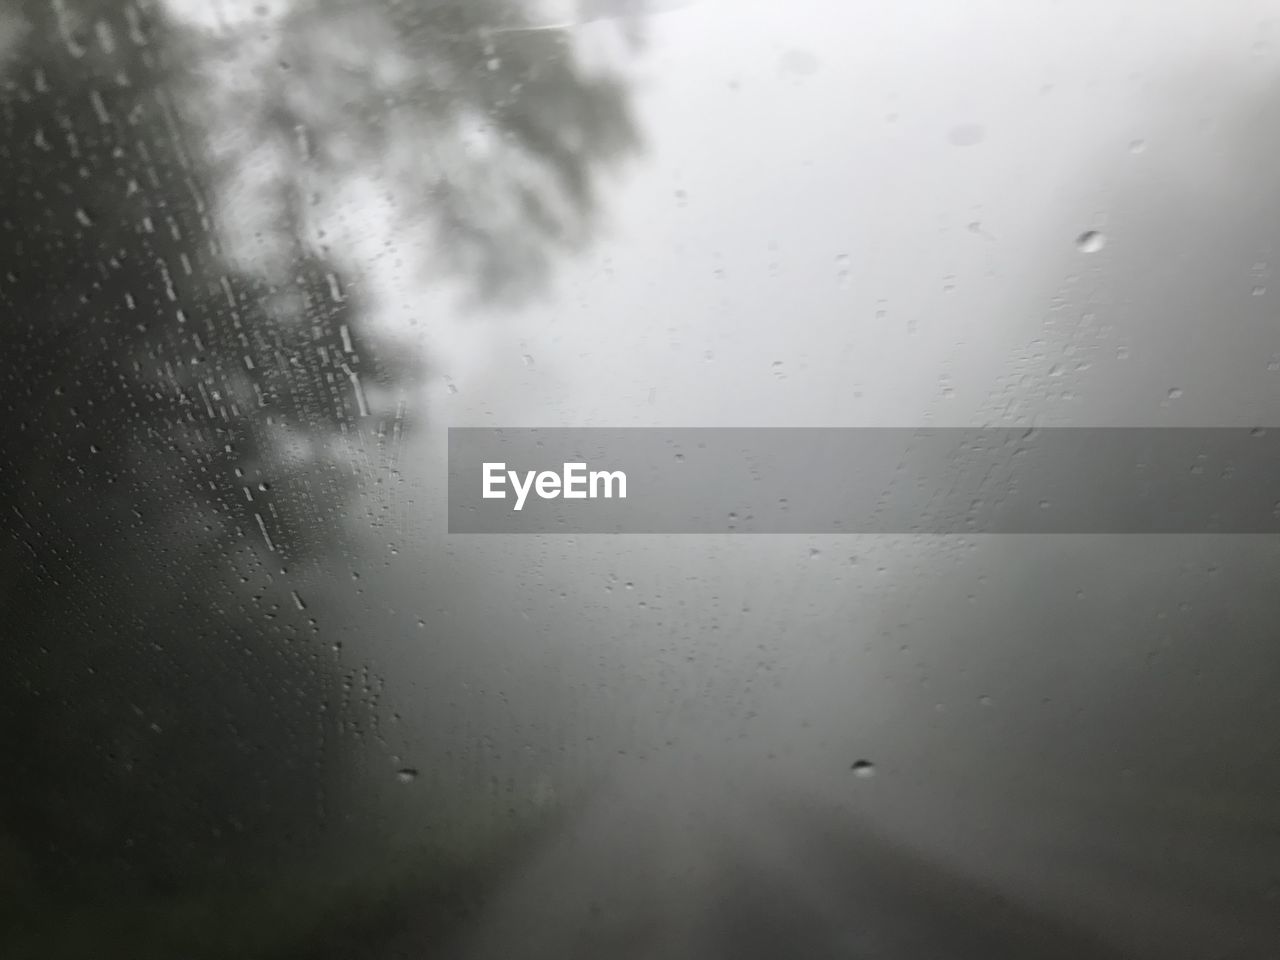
188,379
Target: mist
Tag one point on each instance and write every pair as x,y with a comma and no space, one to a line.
393,219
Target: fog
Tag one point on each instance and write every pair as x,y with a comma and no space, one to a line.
801,214
851,216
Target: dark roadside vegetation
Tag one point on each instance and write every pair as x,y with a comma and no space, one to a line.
184,750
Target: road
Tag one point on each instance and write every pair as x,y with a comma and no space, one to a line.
681,866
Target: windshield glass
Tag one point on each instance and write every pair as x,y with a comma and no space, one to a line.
863,541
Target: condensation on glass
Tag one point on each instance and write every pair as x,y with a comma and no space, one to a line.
256,258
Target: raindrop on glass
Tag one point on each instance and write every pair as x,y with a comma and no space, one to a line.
1091,241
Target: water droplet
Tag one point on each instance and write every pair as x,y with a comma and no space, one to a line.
966,135
985,701
1137,146
1091,241
863,768
1175,393
406,774
799,62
